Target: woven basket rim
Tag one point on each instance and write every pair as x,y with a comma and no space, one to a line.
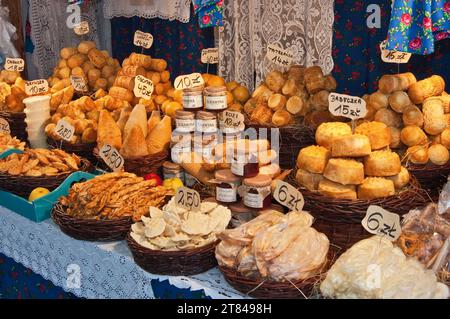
60,209
163,153
428,167
51,140
250,123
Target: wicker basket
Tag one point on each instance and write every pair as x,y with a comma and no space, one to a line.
140,166
265,289
81,149
173,263
23,185
340,219
16,124
431,177
90,229
292,140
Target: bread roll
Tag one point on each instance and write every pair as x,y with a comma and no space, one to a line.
344,171
289,88
375,187
295,105
382,163
277,101
356,145
319,101
434,119
121,93
420,91
445,98
262,93
396,141
334,190
401,179
308,180
418,154
275,81
413,135
388,117
330,83
438,154
159,65
313,158
445,138
85,46
377,132
140,60
378,100
281,118
389,83
412,116
399,101
327,131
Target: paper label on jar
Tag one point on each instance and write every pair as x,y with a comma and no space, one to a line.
254,200
207,126
179,150
192,101
185,125
216,102
226,195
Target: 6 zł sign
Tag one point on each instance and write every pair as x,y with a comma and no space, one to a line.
379,221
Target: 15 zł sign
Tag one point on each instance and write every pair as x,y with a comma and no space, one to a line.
390,56
348,106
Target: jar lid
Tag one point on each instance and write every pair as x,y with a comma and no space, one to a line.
186,115
194,91
240,208
213,90
226,176
258,181
203,115
171,166
271,170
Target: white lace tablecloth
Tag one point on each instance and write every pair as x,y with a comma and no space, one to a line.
91,270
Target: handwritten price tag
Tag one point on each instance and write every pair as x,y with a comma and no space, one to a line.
142,39
188,199
232,121
14,64
210,56
82,28
379,221
36,87
390,56
188,81
79,83
112,157
348,106
279,56
65,130
143,87
4,126
288,196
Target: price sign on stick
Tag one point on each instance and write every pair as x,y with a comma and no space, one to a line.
379,221
112,157
78,83
279,56
288,196
233,121
143,87
210,56
188,199
390,56
348,106
82,28
14,64
142,39
4,126
36,87
188,81
65,130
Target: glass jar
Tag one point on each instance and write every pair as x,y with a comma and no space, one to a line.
205,144
206,122
257,192
185,121
226,186
245,165
193,99
180,144
172,170
215,98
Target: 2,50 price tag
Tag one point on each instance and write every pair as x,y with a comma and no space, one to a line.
4,126
112,157
390,56
288,196
379,221
188,199
142,39
210,56
36,87
14,64
279,56
348,106
65,130
143,87
188,81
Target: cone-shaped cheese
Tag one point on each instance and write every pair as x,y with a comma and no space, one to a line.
154,120
124,117
134,144
108,131
159,138
137,117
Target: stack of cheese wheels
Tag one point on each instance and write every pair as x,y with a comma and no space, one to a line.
418,116
351,166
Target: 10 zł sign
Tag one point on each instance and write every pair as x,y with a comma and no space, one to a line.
348,106
188,81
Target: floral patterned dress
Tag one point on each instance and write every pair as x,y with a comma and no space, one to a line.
210,12
417,24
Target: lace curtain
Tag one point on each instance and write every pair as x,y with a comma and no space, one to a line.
164,9
303,26
49,32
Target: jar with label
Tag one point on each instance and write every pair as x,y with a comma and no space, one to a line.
256,192
180,144
204,144
172,170
206,122
215,98
226,186
193,99
245,165
185,121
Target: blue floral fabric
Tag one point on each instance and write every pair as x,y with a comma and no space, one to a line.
210,12
417,24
